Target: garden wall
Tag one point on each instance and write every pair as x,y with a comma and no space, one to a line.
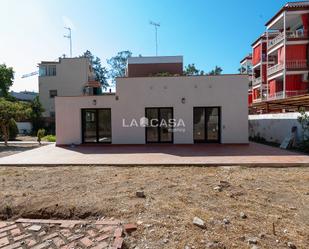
274,127
24,127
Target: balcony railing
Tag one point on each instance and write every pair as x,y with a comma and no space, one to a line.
296,64
280,95
273,42
297,34
289,34
276,95
256,81
295,93
274,69
257,100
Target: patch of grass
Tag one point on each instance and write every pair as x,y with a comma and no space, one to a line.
49,138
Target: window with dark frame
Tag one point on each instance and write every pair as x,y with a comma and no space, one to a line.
47,70
52,93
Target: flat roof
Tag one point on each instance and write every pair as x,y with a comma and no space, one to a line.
61,58
299,5
248,57
155,59
184,76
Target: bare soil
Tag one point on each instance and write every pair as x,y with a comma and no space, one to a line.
174,196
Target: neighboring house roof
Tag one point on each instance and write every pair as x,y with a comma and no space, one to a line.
301,5
25,95
248,57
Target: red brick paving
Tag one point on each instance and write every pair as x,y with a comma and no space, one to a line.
51,234
252,154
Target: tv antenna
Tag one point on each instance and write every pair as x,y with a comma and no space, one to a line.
156,25
69,36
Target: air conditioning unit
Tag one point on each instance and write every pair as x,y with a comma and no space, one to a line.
299,33
305,77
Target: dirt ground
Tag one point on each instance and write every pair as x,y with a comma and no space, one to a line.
15,148
174,196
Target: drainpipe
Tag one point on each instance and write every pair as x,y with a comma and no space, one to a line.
284,49
266,66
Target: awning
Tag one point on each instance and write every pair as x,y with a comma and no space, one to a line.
290,104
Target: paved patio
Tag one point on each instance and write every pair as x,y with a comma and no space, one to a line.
252,154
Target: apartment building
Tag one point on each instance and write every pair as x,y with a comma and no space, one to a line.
65,77
246,68
287,52
148,107
280,58
259,64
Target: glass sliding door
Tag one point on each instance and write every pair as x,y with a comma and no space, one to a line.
96,126
104,126
159,128
199,124
166,130
212,124
90,126
152,131
206,124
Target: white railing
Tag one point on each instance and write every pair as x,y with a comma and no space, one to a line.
289,34
297,34
274,69
257,100
257,81
296,64
280,95
276,95
273,42
295,93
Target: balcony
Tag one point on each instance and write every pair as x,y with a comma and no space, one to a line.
257,100
298,34
277,95
256,81
296,64
273,42
274,69
280,95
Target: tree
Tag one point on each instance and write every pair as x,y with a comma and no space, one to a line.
216,71
6,79
11,111
36,114
100,72
118,64
303,120
192,70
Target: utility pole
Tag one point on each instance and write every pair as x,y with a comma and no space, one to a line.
69,36
156,25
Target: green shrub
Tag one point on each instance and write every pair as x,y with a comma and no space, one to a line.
49,138
13,130
40,134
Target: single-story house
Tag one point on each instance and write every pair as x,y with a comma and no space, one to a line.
156,103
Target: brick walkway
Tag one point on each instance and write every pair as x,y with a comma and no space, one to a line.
252,154
65,234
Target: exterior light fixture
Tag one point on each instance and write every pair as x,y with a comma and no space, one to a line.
117,97
183,100
94,102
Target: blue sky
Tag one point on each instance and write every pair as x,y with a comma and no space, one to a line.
205,32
